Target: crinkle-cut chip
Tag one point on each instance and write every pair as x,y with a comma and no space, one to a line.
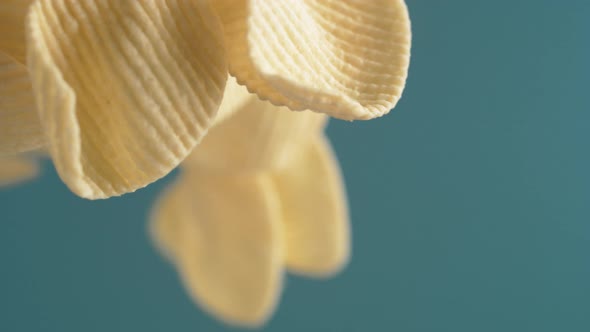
257,137
20,129
231,254
12,28
125,89
314,211
17,169
348,59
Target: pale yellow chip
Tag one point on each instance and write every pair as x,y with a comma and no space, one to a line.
235,97
167,219
314,211
20,129
348,59
17,169
257,136
125,89
223,234
12,28
230,251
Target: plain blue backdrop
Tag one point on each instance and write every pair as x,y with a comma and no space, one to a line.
469,202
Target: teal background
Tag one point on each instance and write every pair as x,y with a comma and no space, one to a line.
469,202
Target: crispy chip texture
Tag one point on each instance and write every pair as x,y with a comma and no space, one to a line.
125,89
348,59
